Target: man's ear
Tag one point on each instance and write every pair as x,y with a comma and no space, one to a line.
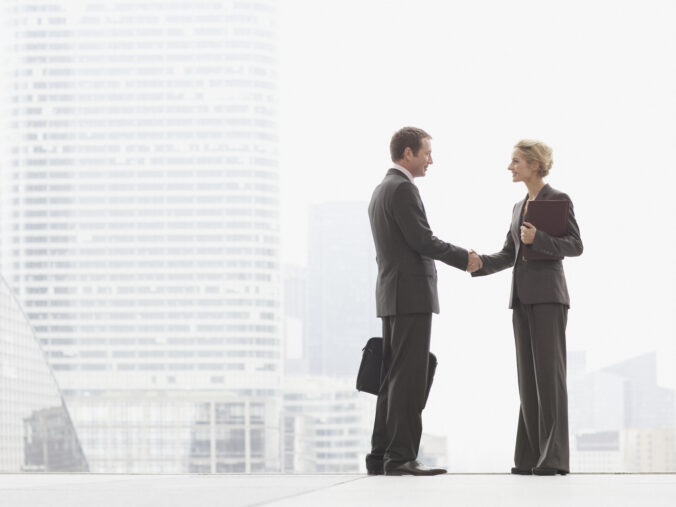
408,153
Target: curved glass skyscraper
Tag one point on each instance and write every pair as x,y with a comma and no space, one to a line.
141,217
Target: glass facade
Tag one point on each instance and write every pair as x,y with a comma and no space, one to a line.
141,229
36,433
177,432
326,425
140,204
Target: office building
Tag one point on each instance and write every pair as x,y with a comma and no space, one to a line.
326,426
342,273
178,431
296,317
140,205
621,420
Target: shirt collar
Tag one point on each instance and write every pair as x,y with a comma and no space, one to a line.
404,170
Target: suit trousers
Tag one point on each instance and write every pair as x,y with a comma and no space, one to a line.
401,398
542,433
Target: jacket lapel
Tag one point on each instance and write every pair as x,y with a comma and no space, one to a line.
516,221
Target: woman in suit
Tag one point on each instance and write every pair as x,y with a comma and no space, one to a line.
539,301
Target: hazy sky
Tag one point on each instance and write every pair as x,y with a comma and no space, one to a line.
595,80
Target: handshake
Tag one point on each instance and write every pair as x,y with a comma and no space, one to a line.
474,262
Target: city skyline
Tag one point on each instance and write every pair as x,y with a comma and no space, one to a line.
161,168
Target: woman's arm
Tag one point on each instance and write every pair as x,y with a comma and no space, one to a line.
500,260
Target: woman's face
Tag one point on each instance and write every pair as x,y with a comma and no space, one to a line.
521,169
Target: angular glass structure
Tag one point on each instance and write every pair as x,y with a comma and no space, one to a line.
36,433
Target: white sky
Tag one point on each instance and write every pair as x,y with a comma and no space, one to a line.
594,79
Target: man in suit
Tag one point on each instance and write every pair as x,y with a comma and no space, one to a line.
406,297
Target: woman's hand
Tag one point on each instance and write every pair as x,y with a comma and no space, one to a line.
528,233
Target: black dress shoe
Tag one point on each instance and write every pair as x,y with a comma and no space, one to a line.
414,468
374,464
548,471
520,471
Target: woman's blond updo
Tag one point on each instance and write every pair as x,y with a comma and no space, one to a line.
537,151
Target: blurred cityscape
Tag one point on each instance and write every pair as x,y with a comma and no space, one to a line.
148,325
620,419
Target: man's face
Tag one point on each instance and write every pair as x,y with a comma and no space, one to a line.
417,164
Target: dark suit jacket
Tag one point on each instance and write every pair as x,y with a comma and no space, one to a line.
406,249
541,281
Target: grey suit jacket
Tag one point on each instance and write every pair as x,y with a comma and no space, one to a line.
541,281
406,249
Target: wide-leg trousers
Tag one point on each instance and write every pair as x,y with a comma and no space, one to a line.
542,434
401,398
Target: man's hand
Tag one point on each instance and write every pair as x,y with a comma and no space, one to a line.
474,263
528,233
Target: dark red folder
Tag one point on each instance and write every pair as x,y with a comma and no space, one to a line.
550,217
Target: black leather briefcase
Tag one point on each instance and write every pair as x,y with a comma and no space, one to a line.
369,375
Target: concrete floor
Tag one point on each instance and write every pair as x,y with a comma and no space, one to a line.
73,490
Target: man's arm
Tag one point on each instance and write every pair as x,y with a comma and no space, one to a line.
412,221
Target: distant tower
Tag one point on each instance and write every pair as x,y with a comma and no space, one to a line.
342,274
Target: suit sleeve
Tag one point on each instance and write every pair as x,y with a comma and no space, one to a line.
569,245
498,261
412,221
